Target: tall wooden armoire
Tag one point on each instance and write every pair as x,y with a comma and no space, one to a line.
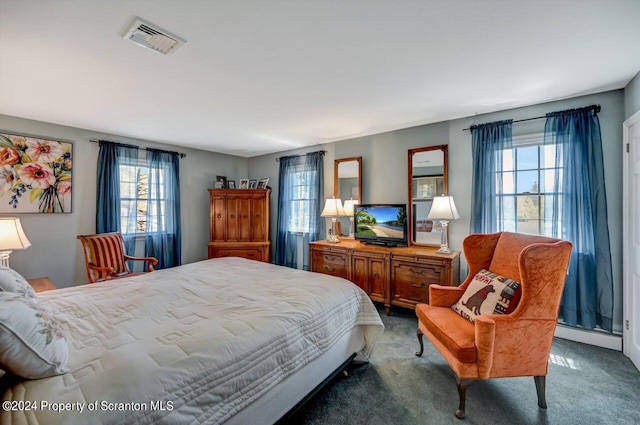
239,223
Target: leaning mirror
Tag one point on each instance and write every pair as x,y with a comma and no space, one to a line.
427,179
348,178
348,188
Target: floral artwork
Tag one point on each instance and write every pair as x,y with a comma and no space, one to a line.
35,175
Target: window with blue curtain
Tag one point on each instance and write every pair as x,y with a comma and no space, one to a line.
140,198
300,200
551,184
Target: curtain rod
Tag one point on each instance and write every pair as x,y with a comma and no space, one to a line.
597,108
295,156
182,155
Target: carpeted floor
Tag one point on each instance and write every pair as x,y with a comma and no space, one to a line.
585,385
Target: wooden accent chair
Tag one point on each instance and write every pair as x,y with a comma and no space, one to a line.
106,259
500,345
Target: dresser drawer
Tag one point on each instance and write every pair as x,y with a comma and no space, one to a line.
412,280
333,263
257,254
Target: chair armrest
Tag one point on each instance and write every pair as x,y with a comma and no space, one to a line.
104,272
444,296
510,346
151,261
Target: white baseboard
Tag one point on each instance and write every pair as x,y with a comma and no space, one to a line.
599,339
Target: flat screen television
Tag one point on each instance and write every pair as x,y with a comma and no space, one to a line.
381,224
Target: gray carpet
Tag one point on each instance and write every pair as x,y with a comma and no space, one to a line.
585,385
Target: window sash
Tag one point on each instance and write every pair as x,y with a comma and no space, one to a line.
136,194
302,199
526,186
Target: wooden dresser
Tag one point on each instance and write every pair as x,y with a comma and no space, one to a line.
393,276
239,223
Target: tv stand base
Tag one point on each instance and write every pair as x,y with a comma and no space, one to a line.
382,243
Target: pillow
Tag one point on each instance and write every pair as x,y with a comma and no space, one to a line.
33,345
12,281
488,293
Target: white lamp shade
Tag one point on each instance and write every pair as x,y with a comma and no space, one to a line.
443,208
12,236
349,207
332,208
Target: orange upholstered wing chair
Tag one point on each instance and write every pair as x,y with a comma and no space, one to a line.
106,259
500,345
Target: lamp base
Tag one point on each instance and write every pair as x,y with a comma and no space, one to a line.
444,240
4,258
333,239
444,250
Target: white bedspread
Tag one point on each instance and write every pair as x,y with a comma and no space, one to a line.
205,340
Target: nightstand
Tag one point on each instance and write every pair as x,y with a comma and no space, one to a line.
41,284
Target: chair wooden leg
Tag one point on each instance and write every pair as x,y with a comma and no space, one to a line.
419,353
463,384
540,389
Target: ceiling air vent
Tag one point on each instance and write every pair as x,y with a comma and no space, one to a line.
152,37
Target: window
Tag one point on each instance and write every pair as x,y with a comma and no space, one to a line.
303,199
135,200
526,186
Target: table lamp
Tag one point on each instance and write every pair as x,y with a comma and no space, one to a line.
443,209
349,210
333,208
12,238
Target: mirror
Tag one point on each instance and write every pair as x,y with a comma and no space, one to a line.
427,178
347,184
347,179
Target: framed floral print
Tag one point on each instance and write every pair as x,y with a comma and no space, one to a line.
35,175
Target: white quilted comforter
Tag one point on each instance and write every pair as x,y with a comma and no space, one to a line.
200,341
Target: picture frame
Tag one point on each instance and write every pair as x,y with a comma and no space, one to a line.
425,188
244,183
262,184
35,174
218,185
222,179
231,184
253,184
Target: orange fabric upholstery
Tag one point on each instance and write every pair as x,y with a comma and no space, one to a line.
106,259
495,346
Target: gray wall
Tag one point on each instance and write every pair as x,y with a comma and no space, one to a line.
55,252
385,160
632,96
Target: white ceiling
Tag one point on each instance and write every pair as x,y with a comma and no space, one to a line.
264,76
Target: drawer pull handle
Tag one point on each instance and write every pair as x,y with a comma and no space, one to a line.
419,271
329,269
232,216
219,215
376,276
332,258
418,285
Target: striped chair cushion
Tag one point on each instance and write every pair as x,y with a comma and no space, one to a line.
107,251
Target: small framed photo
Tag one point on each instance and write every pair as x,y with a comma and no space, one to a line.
253,184
244,183
222,179
218,185
231,184
262,184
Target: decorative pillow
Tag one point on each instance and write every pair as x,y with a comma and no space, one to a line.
12,281
33,345
488,293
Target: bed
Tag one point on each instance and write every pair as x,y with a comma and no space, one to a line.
224,340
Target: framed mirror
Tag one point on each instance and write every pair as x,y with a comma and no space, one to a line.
427,179
347,179
347,184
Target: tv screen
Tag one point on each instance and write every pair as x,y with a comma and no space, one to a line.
381,224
